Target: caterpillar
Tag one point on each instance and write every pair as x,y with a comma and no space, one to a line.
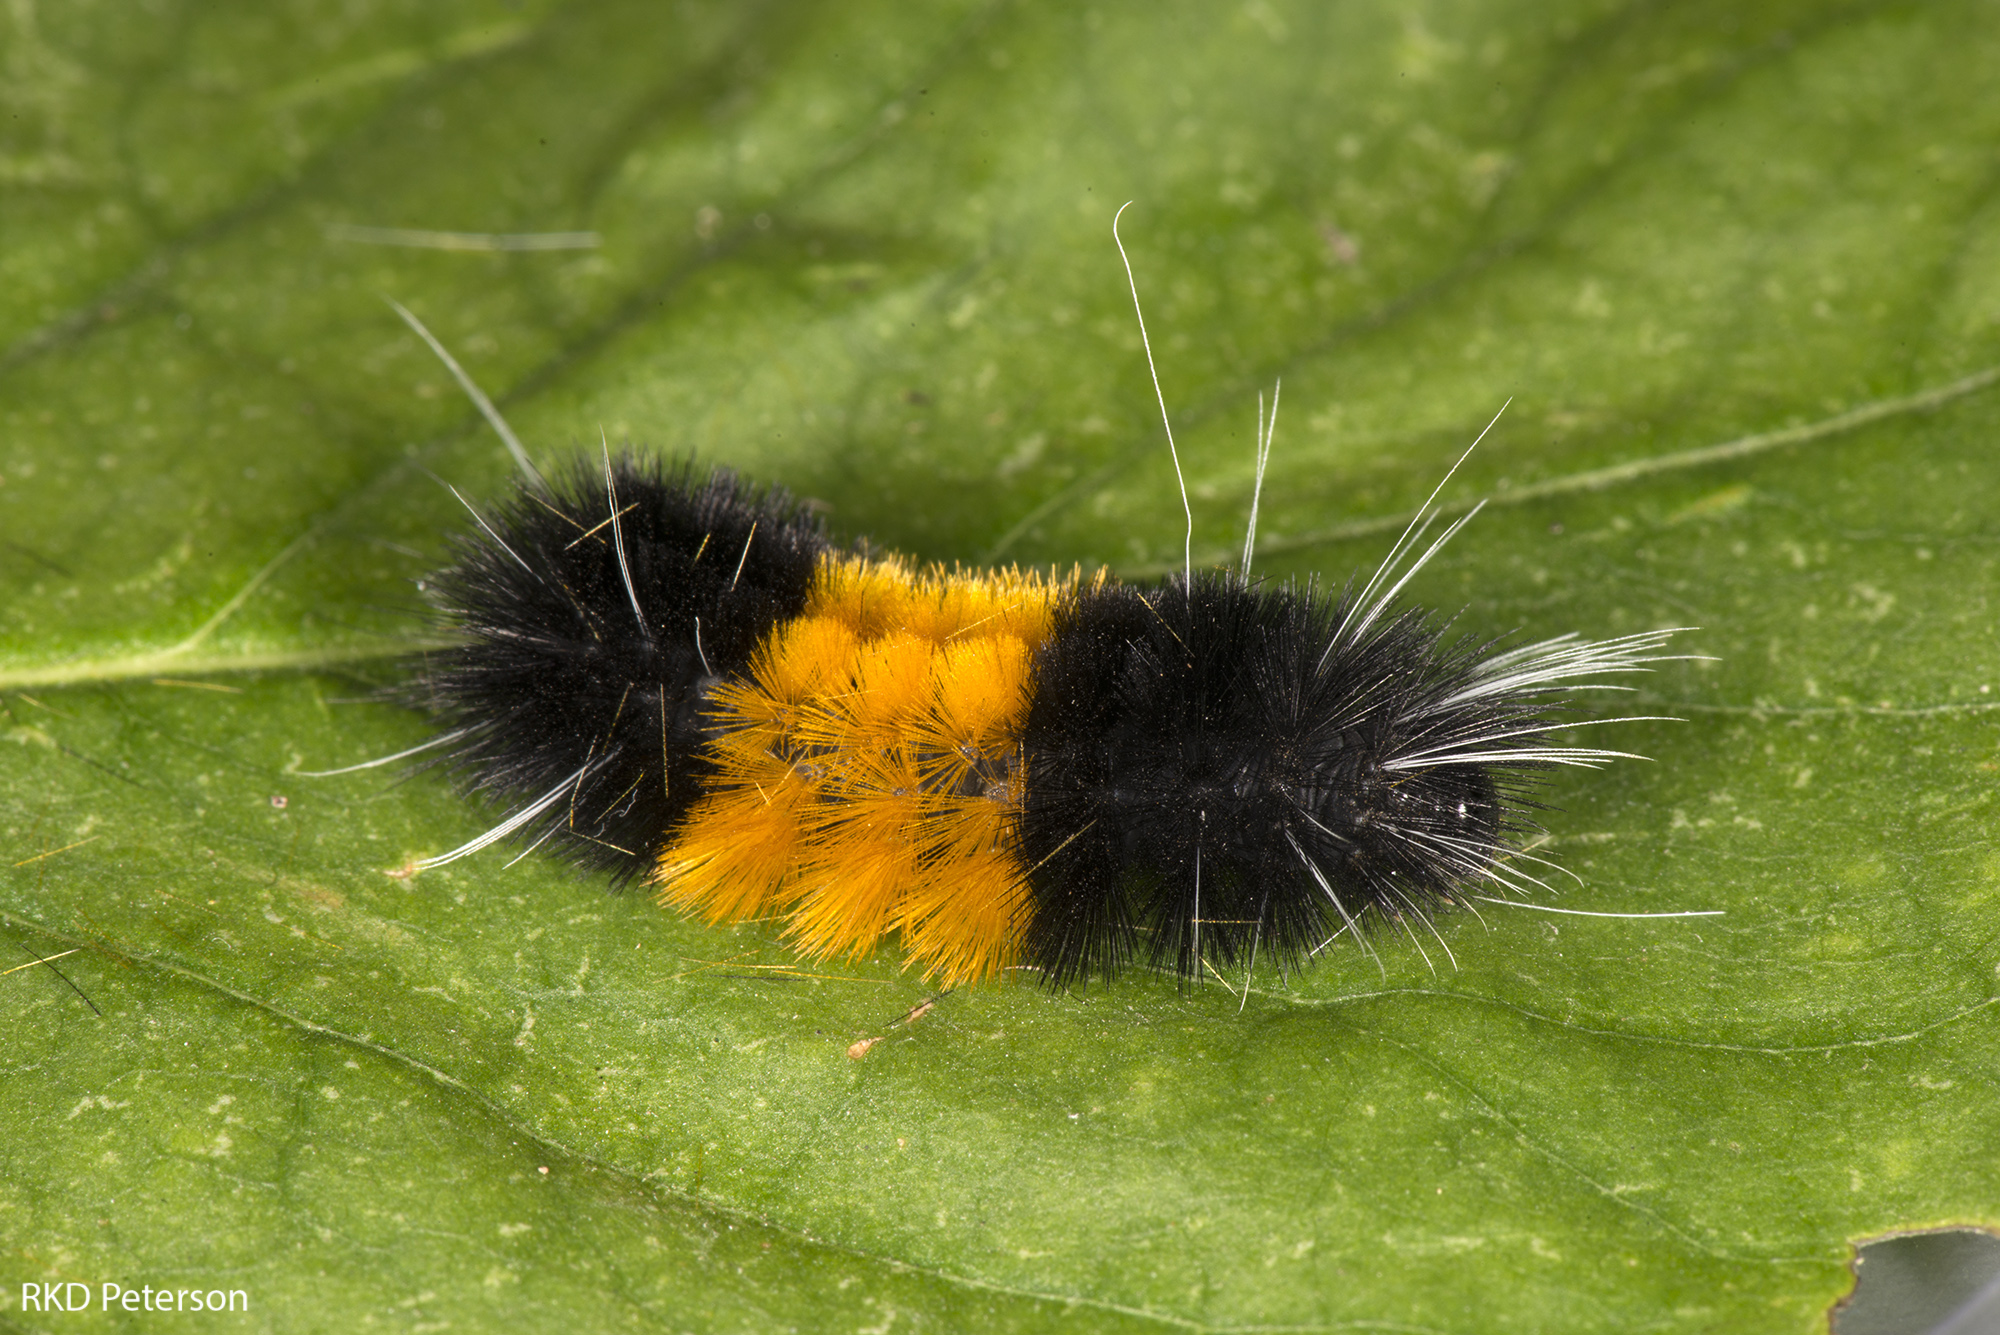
681,679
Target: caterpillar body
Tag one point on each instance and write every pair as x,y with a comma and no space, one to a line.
682,679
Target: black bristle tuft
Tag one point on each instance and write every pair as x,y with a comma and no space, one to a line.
578,690
1222,769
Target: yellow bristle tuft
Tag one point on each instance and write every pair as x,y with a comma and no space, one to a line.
802,659
870,596
988,684
962,927
739,847
868,770
888,685
856,876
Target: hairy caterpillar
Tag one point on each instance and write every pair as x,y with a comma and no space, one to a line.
680,679
683,680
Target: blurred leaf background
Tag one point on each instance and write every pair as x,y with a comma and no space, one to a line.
863,250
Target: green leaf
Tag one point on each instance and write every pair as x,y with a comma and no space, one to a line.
1737,267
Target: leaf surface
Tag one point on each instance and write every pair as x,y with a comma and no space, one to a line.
1737,269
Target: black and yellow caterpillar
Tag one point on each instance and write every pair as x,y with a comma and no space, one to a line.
680,678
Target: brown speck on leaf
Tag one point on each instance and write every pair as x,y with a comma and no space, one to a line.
1340,247
916,1012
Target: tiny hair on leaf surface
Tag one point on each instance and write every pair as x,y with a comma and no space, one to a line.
510,1098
